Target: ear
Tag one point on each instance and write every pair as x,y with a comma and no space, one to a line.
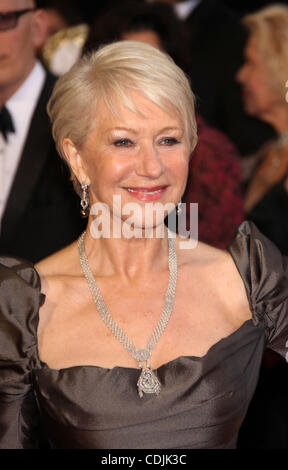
40,28
75,161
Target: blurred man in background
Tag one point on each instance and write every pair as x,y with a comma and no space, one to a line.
37,201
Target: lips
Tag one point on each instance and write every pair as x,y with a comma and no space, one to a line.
147,194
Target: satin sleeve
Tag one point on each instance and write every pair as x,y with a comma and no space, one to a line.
20,300
264,272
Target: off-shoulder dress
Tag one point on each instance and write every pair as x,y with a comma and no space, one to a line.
203,400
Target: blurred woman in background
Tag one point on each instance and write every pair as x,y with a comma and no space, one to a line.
263,77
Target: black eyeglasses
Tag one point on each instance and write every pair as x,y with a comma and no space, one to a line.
10,19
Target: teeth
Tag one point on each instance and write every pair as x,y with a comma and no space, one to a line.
144,192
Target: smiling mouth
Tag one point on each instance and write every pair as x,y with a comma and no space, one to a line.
146,190
147,194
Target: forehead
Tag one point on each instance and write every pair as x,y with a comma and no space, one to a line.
9,5
146,112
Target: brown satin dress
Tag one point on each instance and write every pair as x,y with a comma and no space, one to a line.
203,399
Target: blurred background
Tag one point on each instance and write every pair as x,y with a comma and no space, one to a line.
90,9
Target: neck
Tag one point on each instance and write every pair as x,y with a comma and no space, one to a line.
130,258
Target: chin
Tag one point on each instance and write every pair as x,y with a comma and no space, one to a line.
143,228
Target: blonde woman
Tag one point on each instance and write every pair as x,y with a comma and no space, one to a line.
263,77
140,341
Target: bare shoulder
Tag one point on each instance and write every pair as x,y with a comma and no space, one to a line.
209,259
200,253
58,273
215,269
57,268
57,263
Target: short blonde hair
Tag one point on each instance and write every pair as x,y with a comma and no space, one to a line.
109,74
269,26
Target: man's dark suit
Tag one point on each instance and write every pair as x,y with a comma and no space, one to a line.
42,213
217,40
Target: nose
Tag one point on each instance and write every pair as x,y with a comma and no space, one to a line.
149,163
240,74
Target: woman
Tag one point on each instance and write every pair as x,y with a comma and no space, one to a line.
104,366
263,77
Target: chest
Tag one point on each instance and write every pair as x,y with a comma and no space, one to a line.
74,333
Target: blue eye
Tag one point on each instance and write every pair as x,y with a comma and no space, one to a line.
122,142
169,141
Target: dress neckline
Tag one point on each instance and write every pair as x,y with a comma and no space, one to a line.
221,342
249,321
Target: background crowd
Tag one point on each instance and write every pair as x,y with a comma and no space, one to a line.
237,59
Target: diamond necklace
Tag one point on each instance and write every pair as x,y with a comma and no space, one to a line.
147,382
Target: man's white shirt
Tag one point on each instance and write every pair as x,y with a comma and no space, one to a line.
21,107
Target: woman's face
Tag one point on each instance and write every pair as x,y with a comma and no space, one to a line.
254,76
142,158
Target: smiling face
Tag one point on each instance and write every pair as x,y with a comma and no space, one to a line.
255,77
142,158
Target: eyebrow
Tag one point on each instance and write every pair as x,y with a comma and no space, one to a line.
129,129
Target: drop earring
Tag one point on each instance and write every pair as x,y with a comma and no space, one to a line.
84,203
179,207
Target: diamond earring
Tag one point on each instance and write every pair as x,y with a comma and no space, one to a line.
179,207
84,203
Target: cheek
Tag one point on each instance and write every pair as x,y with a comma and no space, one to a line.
9,48
108,171
179,165
20,51
260,91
